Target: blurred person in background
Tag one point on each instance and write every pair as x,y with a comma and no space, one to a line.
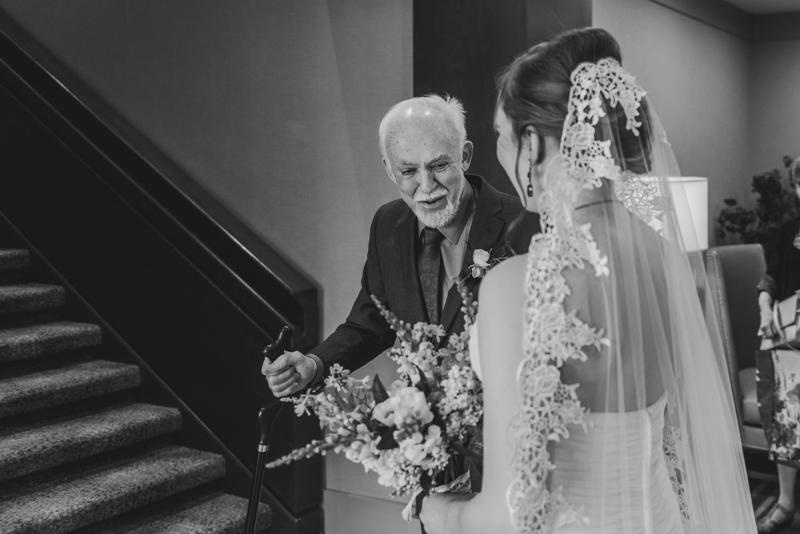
781,280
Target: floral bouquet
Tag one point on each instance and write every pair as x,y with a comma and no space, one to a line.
422,434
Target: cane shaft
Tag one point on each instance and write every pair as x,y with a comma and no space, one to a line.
271,352
255,491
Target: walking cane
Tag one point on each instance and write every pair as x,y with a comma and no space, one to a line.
272,351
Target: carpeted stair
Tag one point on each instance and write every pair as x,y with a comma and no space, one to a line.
77,452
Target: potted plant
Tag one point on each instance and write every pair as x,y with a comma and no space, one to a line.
776,203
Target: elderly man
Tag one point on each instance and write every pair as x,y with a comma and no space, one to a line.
419,245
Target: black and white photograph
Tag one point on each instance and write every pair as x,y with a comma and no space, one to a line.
399,266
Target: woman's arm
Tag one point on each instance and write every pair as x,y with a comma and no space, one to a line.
768,285
500,335
765,302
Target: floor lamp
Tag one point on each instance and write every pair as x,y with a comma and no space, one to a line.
690,198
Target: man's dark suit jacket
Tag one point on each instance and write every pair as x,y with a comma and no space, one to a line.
391,274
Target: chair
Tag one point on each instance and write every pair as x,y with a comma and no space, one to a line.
733,274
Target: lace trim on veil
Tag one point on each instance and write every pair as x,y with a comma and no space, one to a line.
554,335
673,444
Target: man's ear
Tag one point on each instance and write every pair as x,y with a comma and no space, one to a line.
388,167
466,155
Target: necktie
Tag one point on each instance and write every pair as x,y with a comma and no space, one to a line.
429,265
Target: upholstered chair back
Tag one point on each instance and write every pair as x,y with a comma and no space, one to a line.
733,274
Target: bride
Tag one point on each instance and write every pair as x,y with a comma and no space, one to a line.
607,403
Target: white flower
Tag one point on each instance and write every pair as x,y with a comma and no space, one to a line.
301,407
405,406
480,258
419,449
361,450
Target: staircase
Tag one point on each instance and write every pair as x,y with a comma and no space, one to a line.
78,453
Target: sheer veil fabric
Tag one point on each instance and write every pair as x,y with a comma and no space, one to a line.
626,421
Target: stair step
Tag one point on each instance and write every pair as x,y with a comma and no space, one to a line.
61,385
49,338
30,297
216,513
66,506
12,259
43,447
18,320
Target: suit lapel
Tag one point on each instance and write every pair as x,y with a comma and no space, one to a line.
406,232
486,231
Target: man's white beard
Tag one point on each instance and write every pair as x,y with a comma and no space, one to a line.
444,216
440,218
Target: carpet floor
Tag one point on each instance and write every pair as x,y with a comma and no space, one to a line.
764,487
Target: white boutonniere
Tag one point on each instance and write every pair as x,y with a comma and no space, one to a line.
483,260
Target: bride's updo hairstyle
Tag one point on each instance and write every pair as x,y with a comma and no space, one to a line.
534,91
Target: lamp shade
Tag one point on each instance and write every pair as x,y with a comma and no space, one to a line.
690,197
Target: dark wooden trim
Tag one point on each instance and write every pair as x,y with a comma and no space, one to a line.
481,38
452,55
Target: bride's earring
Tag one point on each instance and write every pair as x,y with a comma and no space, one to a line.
539,159
529,190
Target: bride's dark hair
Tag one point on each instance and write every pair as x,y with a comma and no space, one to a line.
534,91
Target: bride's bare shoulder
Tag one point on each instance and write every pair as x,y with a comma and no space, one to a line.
505,283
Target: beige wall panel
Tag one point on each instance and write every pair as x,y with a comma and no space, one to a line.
355,514
776,104
697,77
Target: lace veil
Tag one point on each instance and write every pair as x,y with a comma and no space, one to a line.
640,352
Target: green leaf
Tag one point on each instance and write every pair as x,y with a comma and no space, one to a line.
423,385
465,452
387,441
425,481
342,402
378,391
475,474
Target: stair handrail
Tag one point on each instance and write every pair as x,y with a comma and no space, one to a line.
264,284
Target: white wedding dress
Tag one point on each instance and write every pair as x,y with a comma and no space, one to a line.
614,498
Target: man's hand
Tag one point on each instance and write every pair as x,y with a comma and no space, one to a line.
289,373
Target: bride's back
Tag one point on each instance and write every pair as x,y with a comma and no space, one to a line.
611,379
630,306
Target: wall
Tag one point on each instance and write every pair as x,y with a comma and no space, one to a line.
697,78
775,115
272,106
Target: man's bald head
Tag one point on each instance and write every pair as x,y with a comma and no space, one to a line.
449,109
